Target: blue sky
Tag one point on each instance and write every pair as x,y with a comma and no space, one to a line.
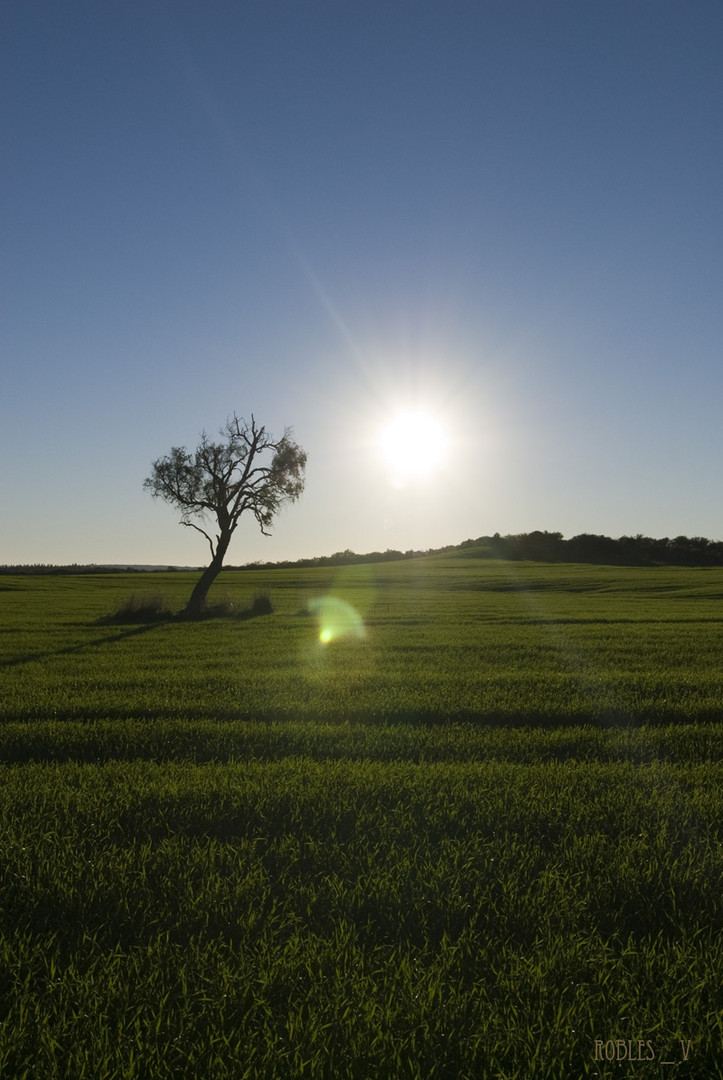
505,213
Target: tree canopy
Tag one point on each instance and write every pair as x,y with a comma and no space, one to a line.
248,471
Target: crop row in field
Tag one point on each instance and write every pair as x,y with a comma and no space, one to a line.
251,740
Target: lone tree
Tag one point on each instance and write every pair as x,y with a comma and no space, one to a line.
248,470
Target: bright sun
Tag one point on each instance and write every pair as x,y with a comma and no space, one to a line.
413,444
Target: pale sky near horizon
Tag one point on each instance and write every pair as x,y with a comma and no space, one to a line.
507,214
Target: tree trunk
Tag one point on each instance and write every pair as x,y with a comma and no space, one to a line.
197,600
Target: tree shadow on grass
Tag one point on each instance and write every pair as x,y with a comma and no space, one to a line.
68,650
142,614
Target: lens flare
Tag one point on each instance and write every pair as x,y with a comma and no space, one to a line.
336,619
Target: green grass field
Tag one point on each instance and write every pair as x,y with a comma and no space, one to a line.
472,828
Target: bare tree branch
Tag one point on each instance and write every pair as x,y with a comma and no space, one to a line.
191,525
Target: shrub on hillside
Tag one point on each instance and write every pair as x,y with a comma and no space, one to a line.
142,608
225,607
261,605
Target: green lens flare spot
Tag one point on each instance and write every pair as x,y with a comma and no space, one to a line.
336,619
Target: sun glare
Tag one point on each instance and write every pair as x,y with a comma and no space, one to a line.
413,444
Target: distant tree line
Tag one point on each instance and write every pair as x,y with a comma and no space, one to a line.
342,558
591,548
536,546
82,568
